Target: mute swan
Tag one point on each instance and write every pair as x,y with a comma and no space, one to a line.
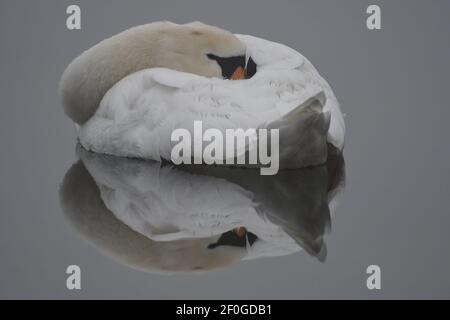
129,92
161,218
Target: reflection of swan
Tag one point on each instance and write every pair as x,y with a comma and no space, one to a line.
157,217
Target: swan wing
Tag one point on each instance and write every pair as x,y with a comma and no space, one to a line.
138,115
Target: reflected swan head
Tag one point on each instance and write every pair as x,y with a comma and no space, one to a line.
161,218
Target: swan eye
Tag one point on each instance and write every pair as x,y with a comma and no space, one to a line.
230,66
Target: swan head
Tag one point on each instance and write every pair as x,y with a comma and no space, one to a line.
193,48
204,50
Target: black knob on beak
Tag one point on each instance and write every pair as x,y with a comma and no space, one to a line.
234,68
250,69
230,66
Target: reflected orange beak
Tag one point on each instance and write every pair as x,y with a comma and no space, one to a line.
241,231
238,74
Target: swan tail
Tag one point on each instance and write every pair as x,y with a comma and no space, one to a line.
303,134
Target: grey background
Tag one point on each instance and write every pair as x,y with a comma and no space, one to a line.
393,85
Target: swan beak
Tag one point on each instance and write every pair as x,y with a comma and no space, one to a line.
238,74
240,232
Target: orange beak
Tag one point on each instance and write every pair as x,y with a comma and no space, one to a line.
238,74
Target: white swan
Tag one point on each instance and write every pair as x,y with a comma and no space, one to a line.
157,217
137,115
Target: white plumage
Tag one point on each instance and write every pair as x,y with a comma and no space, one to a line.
138,114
